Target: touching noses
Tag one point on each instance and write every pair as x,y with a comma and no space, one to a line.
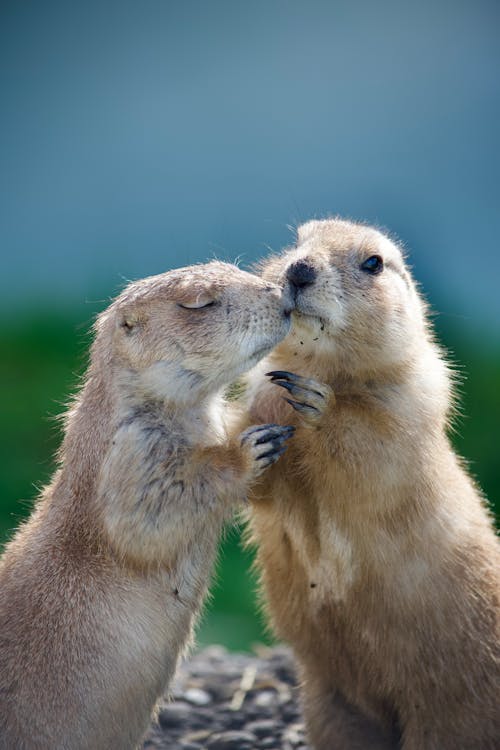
300,274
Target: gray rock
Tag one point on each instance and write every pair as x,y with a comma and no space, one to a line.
232,741
266,698
197,697
174,715
263,727
269,743
290,712
226,701
232,719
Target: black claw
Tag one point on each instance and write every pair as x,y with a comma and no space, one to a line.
261,427
284,384
281,374
272,456
267,454
296,390
300,407
290,381
276,443
278,454
275,432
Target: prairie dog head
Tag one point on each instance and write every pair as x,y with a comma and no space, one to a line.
188,332
354,298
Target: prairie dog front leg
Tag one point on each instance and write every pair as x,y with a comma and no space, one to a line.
158,492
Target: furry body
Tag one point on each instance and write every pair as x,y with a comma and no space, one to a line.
100,588
378,558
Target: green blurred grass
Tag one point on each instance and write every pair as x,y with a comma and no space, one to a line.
43,356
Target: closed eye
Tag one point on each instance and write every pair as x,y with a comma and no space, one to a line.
197,305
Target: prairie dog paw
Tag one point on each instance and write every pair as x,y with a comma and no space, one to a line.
265,443
310,397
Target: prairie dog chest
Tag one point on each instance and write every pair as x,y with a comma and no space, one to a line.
326,553
205,427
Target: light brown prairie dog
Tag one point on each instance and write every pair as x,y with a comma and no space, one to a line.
99,589
378,558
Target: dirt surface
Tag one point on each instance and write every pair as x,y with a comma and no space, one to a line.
225,701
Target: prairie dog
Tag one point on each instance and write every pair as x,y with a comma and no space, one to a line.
378,558
99,589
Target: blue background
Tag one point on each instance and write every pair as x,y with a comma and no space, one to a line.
136,136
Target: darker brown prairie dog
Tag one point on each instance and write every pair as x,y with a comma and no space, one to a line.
378,558
99,589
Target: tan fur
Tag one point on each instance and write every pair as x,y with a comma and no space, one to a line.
378,558
99,589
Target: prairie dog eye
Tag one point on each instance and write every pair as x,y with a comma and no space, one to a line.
197,304
374,264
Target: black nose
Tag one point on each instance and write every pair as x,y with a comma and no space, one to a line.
301,274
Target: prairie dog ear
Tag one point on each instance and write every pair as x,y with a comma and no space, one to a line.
194,296
129,320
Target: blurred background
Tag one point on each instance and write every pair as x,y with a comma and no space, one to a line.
136,137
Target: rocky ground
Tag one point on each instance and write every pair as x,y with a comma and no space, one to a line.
225,701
